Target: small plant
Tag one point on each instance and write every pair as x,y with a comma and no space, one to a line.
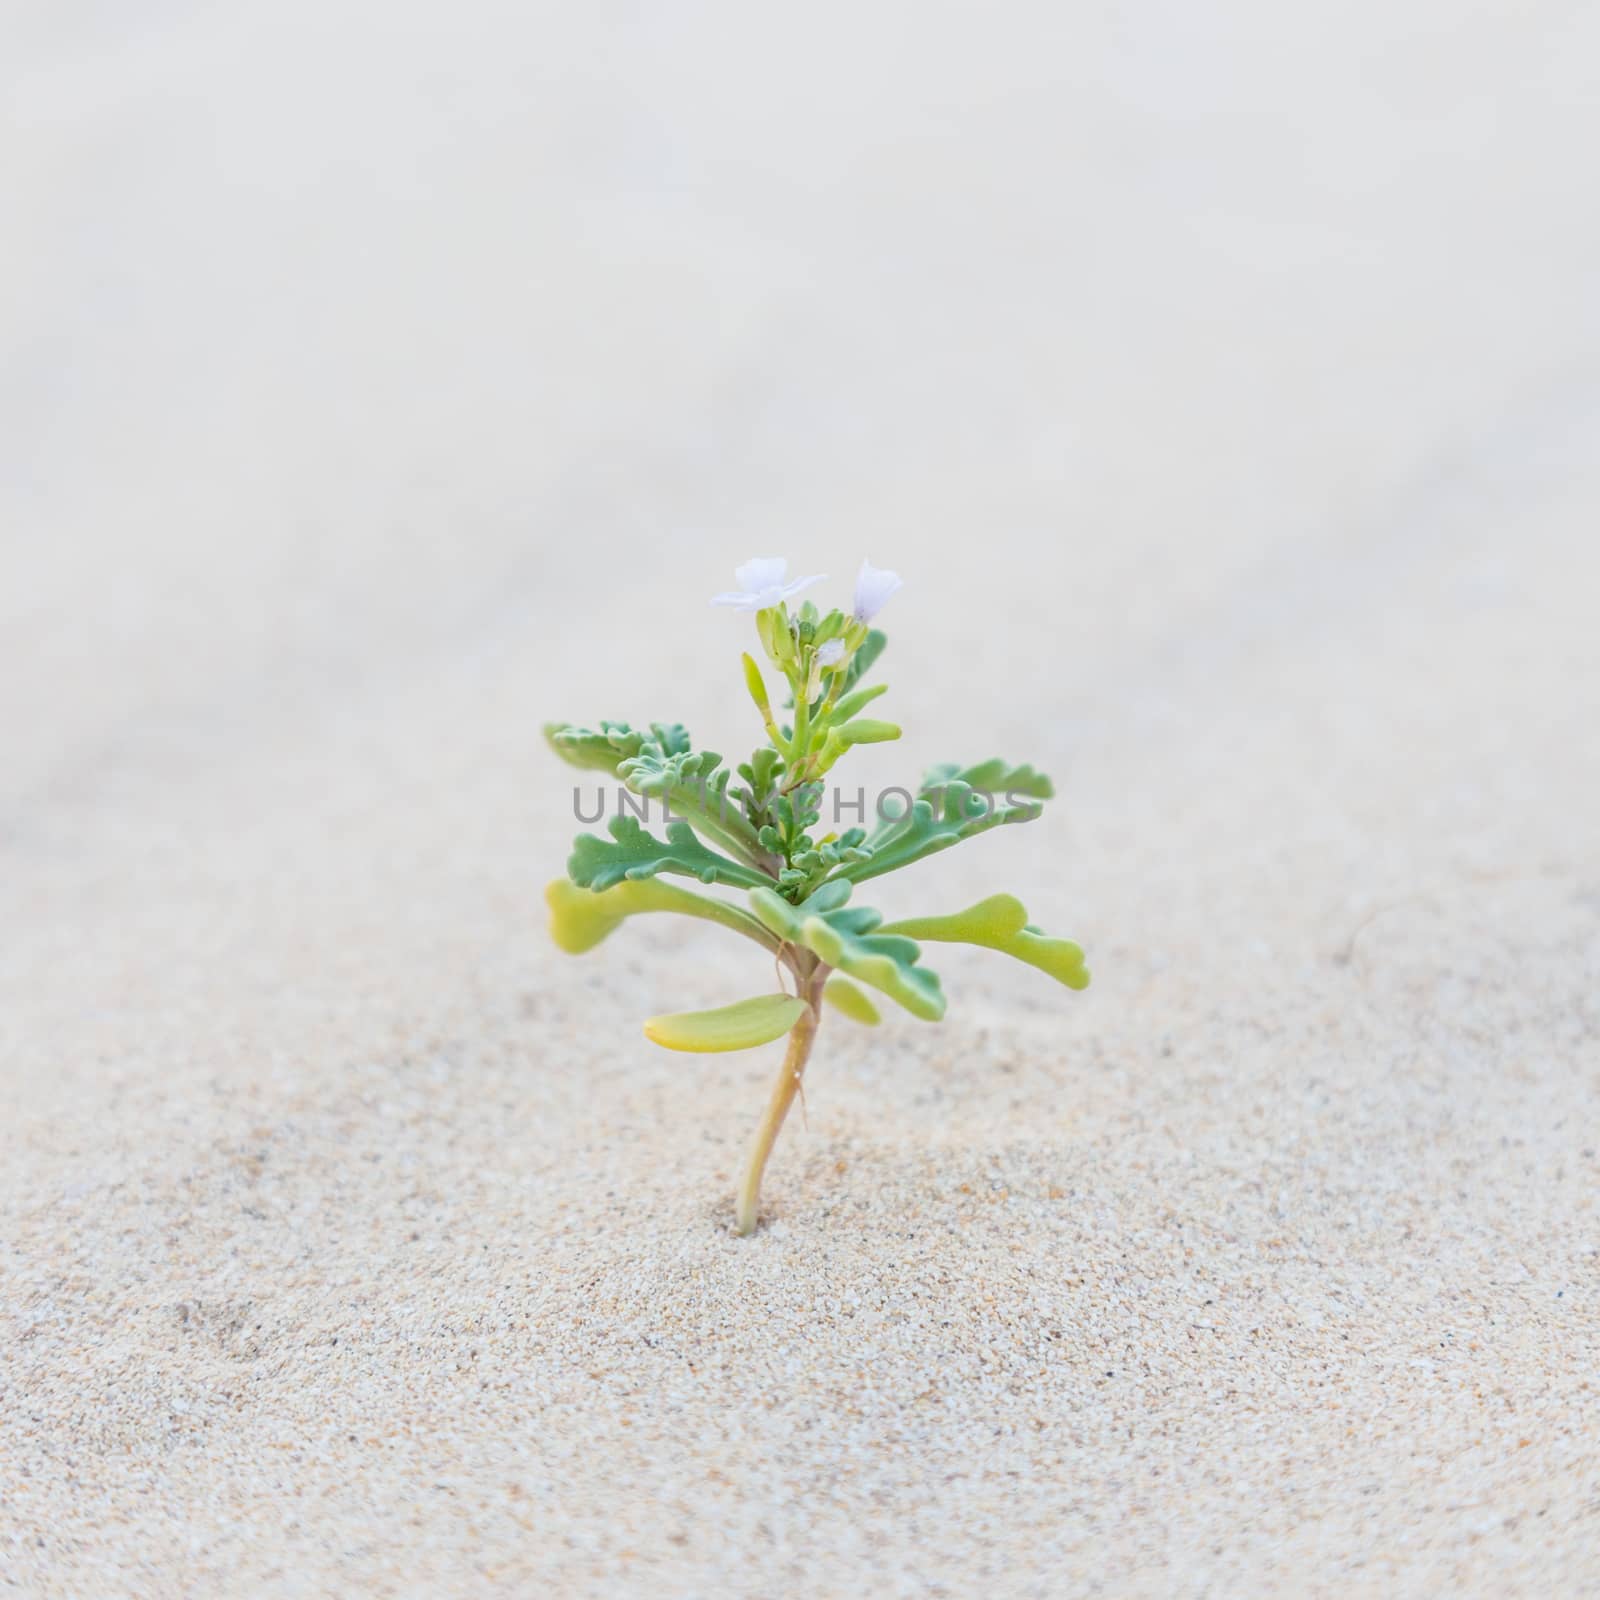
756,836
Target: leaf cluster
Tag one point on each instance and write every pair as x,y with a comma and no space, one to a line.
754,829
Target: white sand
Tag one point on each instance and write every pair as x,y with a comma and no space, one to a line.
1226,382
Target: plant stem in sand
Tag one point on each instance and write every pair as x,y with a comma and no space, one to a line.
784,1090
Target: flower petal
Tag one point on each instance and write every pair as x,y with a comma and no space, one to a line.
789,589
761,572
874,587
832,653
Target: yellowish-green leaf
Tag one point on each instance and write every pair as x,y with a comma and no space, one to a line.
864,730
844,995
1001,923
757,686
737,1027
581,918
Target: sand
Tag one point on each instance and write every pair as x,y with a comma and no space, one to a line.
374,387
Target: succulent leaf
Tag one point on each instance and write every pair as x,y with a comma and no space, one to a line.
846,997
581,918
1001,923
757,686
852,705
737,1027
862,731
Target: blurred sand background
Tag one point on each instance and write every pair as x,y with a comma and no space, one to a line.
377,382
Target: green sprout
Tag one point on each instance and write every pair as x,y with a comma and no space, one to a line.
759,836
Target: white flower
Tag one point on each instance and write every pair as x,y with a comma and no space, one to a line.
761,585
874,586
831,653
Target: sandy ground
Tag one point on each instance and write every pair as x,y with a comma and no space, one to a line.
1226,383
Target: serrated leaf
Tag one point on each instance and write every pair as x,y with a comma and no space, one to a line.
606,748
844,937
791,815
844,995
634,853
653,771
659,761
820,858
581,918
995,776
928,827
737,1027
1001,923
760,774
693,784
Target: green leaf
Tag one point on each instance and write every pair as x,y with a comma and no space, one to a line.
760,773
815,859
772,629
843,994
694,779
960,813
1001,923
844,937
637,853
736,1027
792,814
605,749
852,705
862,731
581,918
660,762
694,787
757,686
995,776
830,626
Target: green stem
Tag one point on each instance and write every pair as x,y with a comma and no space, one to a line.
802,716
731,832
836,681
